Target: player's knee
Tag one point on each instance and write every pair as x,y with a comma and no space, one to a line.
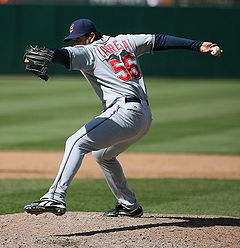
101,156
98,155
74,141
69,141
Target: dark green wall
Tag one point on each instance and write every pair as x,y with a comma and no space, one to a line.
47,25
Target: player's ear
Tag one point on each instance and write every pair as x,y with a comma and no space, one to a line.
92,37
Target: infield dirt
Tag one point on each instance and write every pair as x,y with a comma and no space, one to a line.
25,164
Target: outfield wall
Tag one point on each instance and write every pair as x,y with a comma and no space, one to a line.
47,25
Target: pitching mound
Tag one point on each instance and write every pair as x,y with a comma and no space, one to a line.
77,229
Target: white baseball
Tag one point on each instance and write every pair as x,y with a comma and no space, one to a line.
216,51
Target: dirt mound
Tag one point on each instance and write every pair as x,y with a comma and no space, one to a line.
78,229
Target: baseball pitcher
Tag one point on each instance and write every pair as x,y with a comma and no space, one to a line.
111,66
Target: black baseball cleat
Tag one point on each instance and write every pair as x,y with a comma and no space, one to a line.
120,210
46,205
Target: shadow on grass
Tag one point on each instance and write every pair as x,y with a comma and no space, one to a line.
187,222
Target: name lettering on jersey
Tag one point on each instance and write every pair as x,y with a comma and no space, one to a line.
113,47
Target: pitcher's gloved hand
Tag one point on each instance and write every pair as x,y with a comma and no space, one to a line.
37,60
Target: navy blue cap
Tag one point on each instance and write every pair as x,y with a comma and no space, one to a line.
80,28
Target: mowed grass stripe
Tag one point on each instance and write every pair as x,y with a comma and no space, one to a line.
197,110
197,122
206,144
33,112
165,196
52,97
200,116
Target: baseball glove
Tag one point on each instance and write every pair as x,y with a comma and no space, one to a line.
37,60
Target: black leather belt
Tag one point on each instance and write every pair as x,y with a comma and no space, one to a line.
134,99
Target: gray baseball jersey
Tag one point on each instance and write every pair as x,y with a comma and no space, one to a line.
112,68
111,65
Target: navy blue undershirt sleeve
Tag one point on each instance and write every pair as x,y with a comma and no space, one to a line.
61,56
164,42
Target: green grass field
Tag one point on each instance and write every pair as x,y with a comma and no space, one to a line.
189,116
165,196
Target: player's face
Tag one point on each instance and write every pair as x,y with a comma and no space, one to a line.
80,41
84,40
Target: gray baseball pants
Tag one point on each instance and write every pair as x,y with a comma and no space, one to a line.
106,136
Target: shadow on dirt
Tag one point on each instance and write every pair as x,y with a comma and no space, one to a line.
187,222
